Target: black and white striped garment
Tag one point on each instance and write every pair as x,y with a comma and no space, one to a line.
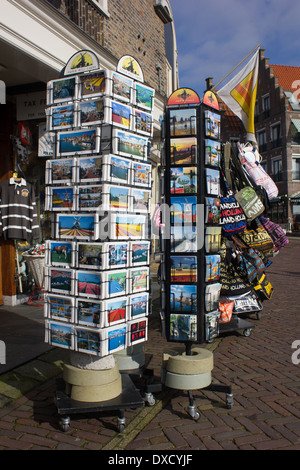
18,217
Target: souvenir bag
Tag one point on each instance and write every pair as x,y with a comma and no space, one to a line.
257,237
231,281
250,264
232,218
250,160
226,309
275,231
263,287
248,303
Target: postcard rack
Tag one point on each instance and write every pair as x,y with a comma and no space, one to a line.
190,235
98,191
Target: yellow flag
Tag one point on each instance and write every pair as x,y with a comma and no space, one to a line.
239,94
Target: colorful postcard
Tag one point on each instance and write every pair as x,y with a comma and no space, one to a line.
138,305
60,335
60,280
90,255
116,198
83,141
62,117
212,152
119,114
183,180
93,84
80,226
139,279
212,295
89,169
183,150
89,313
89,197
144,96
89,284
183,327
140,200
140,253
183,298
212,268
141,174
183,209
121,86
130,145
60,198
183,238
212,214
92,112
60,253
143,122
183,268
116,338
63,89
89,341
212,239
117,169
116,283
183,122
138,331
212,125
60,171
116,255
212,181
126,227
115,311
59,307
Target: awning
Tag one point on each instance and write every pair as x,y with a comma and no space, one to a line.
296,123
295,197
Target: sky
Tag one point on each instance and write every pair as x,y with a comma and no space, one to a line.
212,38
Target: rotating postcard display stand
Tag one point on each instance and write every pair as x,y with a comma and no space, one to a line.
98,188
191,240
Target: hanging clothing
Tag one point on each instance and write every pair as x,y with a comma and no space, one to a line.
18,218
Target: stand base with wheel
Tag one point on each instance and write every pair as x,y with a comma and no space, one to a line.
237,324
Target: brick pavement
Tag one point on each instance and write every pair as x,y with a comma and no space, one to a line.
264,380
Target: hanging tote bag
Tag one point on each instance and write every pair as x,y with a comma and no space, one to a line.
275,231
250,160
257,237
248,303
226,309
232,218
263,288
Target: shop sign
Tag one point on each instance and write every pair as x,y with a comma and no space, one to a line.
31,106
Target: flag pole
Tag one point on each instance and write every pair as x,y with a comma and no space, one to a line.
235,67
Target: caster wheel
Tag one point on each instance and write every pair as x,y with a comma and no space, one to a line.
121,424
65,424
149,399
229,401
194,413
247,332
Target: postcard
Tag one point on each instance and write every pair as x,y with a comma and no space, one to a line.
121,86
62,89
59,334
141,174
126,227
117,169
62,117
212,152
212,125
60,253
89,284
183,209
182,327
143,122
115,311
183,298
89,341
116,338
116,198
143,96
138,331
212,239
61,198
212,268
138,305
183,238
116,255
183,180
80,226
212,181
212,325
139,279
60,171
90,255
183,122
82,141
60,280
130,145
139,253
140,200
92,112
183,150
89,313
89,169
59,307
183,268
116,282
89,197
212,295
119,114
93,84
212,213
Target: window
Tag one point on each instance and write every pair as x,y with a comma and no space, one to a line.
262,141
277,170
296,168
266,106
101,5
276,135
264,165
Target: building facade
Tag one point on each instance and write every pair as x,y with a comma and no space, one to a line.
37,38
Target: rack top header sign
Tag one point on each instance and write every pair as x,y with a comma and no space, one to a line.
183,96
82,61
130,67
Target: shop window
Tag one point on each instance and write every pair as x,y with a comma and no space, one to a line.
296,168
